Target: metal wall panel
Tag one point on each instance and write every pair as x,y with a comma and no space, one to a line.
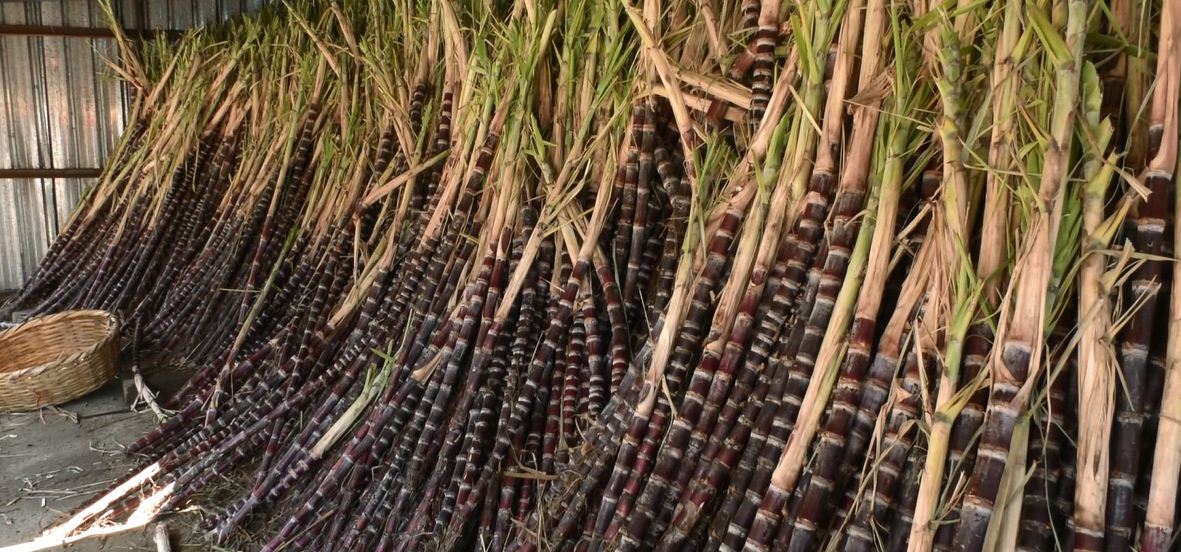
61,107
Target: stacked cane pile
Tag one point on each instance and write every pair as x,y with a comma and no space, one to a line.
593,275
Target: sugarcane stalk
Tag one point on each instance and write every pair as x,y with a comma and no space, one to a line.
1046,446
1020,338
1097,361
960,310
1003,528
994,247
1158,524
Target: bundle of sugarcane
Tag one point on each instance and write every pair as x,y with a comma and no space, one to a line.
581,275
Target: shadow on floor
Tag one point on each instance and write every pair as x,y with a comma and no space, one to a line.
54,460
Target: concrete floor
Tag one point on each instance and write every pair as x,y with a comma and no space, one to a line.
54,460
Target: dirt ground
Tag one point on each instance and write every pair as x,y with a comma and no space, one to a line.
54,460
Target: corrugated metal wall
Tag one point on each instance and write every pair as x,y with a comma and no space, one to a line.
61,108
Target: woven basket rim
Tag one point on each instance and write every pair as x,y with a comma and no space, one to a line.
112,326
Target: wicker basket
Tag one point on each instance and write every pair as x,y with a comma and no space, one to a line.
56,358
